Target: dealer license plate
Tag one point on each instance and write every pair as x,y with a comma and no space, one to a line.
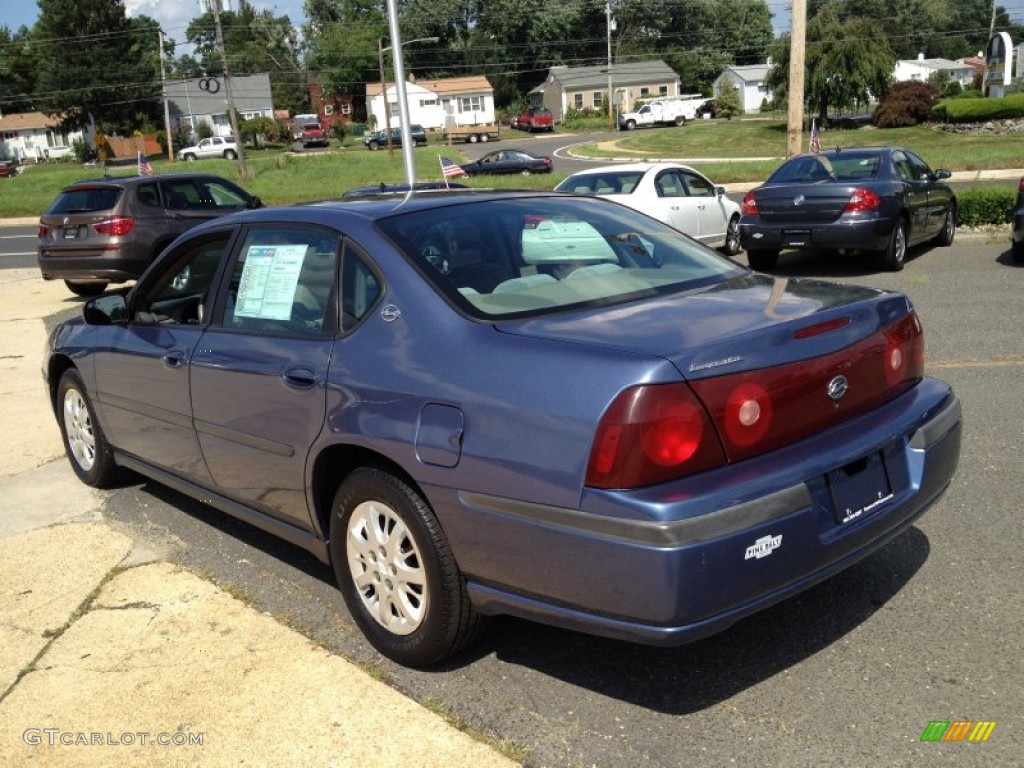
859,488
795,237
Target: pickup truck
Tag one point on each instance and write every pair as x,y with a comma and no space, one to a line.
669,111
313,135
215,146
534,119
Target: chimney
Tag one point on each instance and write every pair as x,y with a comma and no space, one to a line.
920,57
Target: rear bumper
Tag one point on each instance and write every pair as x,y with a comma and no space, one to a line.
672,564
113,266
861,234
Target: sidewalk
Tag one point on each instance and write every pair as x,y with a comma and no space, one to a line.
110,656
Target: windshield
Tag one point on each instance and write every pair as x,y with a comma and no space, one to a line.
85,200
847,166
534,255
603,183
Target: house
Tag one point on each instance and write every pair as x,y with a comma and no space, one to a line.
332,111
922,69
35,137
568,88
749,82
445,103
199,100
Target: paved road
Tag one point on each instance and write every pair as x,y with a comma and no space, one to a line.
17,247
849,674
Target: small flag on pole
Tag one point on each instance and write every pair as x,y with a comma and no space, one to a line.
449,169
145,169
815,138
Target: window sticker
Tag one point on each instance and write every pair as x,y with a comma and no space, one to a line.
269,279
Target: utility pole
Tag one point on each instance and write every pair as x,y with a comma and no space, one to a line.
167,109
384,95
611,98
795,120
243,171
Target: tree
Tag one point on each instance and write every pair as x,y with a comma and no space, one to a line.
727,102
905,104
845,64
17,70
108,70
342,38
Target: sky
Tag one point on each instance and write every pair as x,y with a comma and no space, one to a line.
173,15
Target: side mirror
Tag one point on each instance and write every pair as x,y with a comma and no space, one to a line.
942,173
720,191
109,309
255,203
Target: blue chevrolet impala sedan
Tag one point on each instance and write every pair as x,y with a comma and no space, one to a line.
546,406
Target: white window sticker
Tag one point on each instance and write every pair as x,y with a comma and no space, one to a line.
269,279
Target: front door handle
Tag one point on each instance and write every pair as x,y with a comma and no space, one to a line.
173,358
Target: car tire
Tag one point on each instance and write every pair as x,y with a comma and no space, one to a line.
86,289
680,120
373,146
525,172
948,231
396,570
484,137
630,125
230,154
732,238
895,252
762,260
190,157
91,456
473,138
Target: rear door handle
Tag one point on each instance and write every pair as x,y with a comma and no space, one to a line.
299,377
173,358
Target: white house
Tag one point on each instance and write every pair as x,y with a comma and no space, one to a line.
445,103
199,100
35,137
749,83
922,68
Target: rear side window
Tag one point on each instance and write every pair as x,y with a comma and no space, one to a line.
85,200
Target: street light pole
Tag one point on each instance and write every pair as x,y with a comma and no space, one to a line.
381,48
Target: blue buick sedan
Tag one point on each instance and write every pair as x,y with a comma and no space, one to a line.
477,403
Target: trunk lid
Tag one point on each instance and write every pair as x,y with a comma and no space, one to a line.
815,202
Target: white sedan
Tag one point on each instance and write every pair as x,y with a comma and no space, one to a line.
676,194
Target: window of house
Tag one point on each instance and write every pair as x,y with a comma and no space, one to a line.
663,90
645,91
470,104
598,98
577,100
346,108
428,102
328,109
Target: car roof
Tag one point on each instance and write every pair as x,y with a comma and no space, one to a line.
627,167
123,181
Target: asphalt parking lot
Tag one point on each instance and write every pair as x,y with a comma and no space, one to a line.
850,673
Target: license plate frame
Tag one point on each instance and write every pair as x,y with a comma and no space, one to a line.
796,237
859,488
70,233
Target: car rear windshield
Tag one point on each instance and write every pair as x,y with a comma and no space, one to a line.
535,255
847,166
85,200
610,183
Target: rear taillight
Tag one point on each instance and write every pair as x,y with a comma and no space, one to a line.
651,434
749,206
904,351
43,232
115,226
1020,184
862,200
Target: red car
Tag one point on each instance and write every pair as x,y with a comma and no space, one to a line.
534,119
8,168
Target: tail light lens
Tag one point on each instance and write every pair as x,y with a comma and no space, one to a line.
115,226
43,232
862,200
651,434
749,205
904,351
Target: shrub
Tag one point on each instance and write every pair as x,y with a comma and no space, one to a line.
985,205
904,104
974,110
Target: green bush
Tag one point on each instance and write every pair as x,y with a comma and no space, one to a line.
979,110
904,104
985,205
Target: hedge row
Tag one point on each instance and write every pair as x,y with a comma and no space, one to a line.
979,110
985,205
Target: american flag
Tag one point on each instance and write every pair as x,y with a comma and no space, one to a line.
815,138
451,170
145,169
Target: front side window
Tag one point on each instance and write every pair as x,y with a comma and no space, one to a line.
542,254
183,292
283,282
203,194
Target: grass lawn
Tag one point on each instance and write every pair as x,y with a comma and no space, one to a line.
727,151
